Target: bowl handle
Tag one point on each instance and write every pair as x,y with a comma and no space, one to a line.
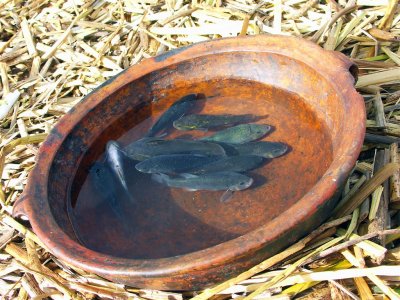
19,209
348,64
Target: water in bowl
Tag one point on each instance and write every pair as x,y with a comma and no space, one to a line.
160,221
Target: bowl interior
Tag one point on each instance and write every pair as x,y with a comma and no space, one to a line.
166,222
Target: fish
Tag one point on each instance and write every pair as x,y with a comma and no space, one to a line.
174,112
174,163
114,158
263,149
146,148
239,134
205,122
219,181
103,181
240,163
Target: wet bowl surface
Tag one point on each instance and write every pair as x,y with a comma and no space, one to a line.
188,240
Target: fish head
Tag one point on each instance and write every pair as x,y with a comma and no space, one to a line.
279,149
262,129
243,184
144,167
138,150
114,159
184,124
114,149
114,154
190,97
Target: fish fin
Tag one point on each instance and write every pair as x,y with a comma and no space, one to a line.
226,196
160,178
187,175
124,153
123,183
175,124
162,135
199,155
152,141
118,147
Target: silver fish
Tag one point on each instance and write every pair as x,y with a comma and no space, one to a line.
220,181
104,183
240,163
264,149
206,122
239,134
149,147
174,163
115,160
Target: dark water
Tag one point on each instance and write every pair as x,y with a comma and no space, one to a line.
163,222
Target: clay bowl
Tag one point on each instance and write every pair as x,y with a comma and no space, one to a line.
187,241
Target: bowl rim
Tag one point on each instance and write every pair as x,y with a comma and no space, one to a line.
61,245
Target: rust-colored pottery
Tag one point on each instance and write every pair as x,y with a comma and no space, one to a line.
183,242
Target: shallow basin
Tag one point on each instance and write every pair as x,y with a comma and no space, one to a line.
189,240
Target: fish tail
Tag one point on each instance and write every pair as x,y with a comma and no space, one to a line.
161,135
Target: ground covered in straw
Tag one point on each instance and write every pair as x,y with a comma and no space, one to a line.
52,53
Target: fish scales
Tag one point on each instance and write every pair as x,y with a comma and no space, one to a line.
240,163
263,148
149,147
174,163
115,160
239,134
218,181
206,122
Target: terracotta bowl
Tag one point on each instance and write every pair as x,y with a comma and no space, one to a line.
306,93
